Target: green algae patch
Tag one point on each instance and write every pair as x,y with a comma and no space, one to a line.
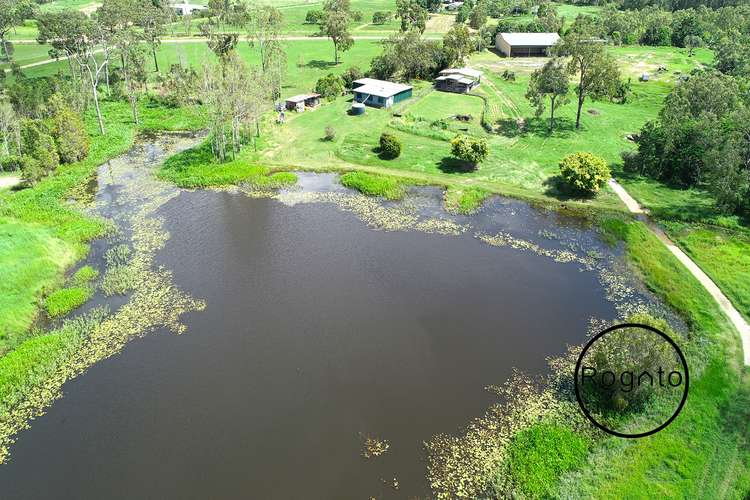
465,201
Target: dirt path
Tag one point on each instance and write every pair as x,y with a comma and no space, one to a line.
724,304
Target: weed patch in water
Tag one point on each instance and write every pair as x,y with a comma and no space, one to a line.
61,302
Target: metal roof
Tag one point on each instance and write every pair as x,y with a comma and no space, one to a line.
530,39
380,88
301,97
471,73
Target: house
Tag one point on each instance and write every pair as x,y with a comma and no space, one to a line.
380,93
300,102
452,6
460,80
186,9
525,44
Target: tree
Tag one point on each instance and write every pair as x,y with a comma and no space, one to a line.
12,13
350,75
471,150
413,15
584,172
692,42
9,129
336,27
330,86
549,81
152,17
314,16
264,30
733,57
37,143
478,16
458,44
80,38
596,69
381,17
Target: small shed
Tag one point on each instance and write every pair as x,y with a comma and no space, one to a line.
300,102
186,9
459,80
525,44
380,93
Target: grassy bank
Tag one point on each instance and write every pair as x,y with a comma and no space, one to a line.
197,168
42,235
704,453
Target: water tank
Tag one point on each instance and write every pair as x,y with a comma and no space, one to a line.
358,108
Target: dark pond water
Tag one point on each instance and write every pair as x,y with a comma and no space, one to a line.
318,330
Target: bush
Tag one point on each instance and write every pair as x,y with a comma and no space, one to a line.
357,16
31,170
472,151
509,75
350,75
390,146
11,163
540,454
314,16
38,144
330,133
584,172
381,17
70,135
330,86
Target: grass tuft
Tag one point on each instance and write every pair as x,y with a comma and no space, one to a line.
389,188
63,301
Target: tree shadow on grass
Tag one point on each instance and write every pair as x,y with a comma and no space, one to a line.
535,126
558,189
318,64
451,165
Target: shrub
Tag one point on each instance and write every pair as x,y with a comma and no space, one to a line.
540,454
374,185
330,86
314,16
390,146
509,75
381,17
472,151
70,135
351,74
31,170
584,172
63,301
11,163
330,133
357,16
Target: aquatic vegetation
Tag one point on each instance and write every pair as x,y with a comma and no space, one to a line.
465,200
84,275
154,303
61,302
375,447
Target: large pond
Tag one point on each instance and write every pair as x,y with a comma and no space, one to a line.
325,323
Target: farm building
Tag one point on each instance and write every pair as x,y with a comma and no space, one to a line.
380,93
525,44
460,80
300,102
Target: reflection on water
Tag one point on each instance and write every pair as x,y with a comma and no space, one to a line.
319,331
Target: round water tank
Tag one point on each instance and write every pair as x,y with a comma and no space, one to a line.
358,108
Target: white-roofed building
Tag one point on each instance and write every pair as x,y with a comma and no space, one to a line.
525,44
380,93
186,9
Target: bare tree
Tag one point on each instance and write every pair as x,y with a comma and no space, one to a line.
9,128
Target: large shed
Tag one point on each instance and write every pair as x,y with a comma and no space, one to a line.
525,44
380,93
